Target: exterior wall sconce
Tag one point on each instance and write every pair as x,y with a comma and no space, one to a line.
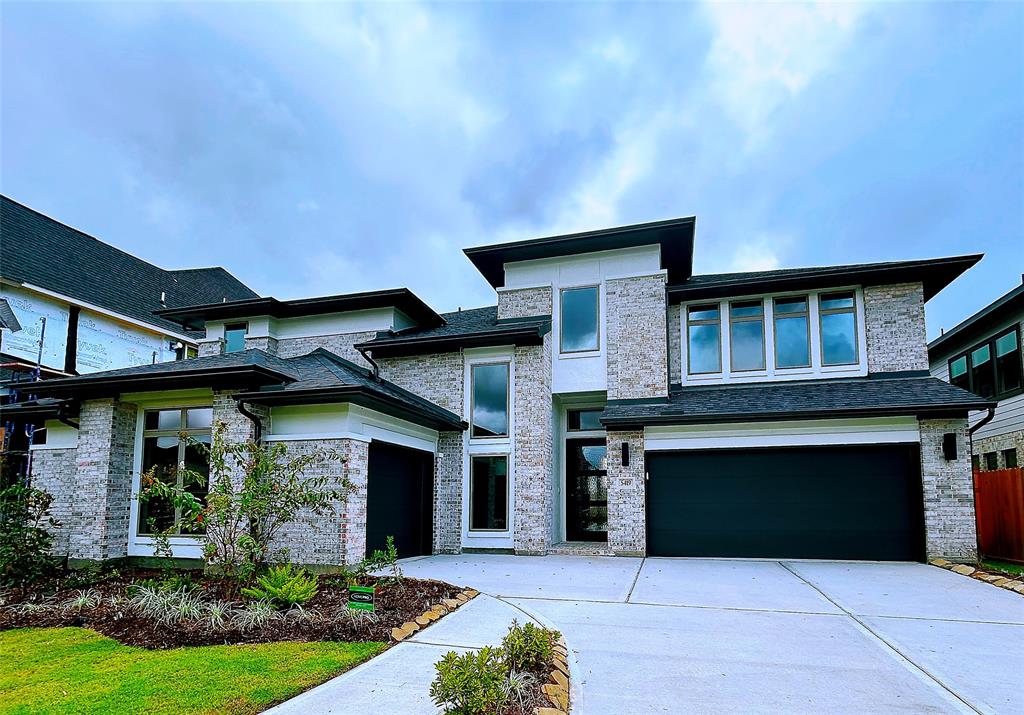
949,446
625,454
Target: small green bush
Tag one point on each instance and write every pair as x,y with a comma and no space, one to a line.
472,683
284,587
528,647
25,543
386,560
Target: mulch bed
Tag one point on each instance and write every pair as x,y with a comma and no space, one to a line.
326,618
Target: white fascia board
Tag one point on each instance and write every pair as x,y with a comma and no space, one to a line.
798,433
111,314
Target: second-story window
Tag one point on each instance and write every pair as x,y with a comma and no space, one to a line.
703,339
489,400
792,333
746,335
234,337
838,329
991,369
580,319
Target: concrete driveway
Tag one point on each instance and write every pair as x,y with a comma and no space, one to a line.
717,636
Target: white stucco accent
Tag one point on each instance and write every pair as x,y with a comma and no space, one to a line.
58,436
346,421
873,430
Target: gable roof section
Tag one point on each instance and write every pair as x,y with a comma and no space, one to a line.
935,274
403,299
917,394
37,250
674,236
988,318
475,328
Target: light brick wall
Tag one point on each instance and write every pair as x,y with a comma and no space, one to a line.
637,340
448,494
532,442
340,344
675,345
266,344
627,516
211,347
102,499
948,492
55,471
894,322
437,377
524,302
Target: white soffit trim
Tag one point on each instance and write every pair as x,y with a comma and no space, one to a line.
877,430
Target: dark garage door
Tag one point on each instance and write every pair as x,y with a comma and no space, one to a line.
399,499
800,502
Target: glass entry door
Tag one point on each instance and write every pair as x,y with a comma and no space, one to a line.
586,481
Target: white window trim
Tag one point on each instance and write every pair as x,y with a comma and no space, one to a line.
556,319
772,373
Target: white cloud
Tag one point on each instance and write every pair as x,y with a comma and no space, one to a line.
307,206
762,253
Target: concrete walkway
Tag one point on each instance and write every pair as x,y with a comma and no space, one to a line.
720,636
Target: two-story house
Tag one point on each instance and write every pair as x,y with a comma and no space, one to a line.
609,402
985,354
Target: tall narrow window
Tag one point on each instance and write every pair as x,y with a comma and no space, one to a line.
792,333
489,399
746,335
1010,458
1008,368
580,324
983,378
704,339
163,450
234,337
488,494
838,329
958,372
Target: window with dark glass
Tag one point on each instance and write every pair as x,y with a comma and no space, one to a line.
704,339
991,369
172,438
991,460
1008,367
580,319
234,337
792,333
838,317
581,420
489,401
488,494
975,462
958,373
746,335
1010,458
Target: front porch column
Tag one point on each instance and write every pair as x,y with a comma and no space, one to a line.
353,511
627,515
103,488
948,485
532,440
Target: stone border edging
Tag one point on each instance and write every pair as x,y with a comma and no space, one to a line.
557,688
1010,584
446,606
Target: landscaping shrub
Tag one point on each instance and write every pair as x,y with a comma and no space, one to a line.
386,560
528,647
24,541
258,614
471,683
283,586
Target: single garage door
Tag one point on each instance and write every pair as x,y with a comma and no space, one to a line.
799,502
399,499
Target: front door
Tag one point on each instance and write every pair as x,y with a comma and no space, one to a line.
586,481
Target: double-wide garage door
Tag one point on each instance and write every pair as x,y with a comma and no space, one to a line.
851,502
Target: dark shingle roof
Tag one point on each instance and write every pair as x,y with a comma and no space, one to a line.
38,250
934,273
813,399
988,318
8,320
477,327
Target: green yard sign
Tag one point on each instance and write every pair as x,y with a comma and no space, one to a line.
360,598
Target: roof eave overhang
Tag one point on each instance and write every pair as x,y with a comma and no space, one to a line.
984,321
245,377
357,395
421,346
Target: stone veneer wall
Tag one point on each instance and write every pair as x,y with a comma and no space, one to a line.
532,445
675,344
627,513
894,322
636,341
266,343
210,347
55,471
997,443
524,302
340,344
103,481
948,492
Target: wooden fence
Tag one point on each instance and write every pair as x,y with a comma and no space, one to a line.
999,503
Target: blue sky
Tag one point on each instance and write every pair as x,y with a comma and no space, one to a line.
317,149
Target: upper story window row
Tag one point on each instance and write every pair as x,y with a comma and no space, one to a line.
991,368
774,337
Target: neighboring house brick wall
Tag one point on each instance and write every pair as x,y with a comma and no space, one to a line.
266,344
894,322
532,443
103,480
636,340
948,492
675,345
54,471
524,302
340,344
207,348
448,494
998,443
627,516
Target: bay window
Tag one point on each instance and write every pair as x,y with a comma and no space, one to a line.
746,335
838,328
792,333
172,438
488,493
991,369
489,400
704,339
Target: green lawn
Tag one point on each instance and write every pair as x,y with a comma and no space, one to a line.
73,670
1004,566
